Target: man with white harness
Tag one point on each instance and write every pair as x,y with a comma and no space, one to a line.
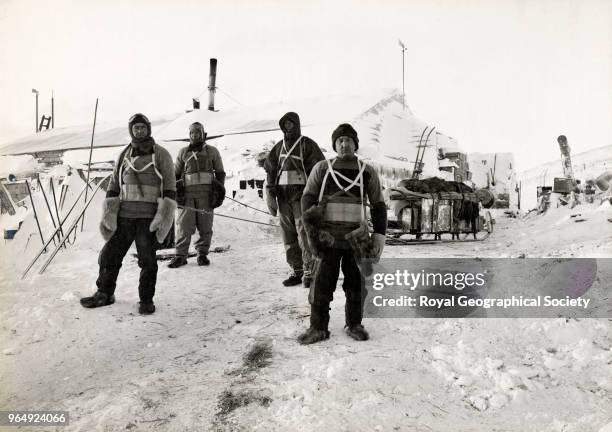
339,190
199,172
288,166
139,206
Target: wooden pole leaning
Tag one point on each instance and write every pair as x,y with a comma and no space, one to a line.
55,205
36,216
76,201
72,227
48,207
93,132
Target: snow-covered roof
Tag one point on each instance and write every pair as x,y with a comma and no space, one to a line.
445,163
389,133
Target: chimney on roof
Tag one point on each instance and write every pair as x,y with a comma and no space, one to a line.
212,79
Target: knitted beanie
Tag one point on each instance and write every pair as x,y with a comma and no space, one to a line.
347,130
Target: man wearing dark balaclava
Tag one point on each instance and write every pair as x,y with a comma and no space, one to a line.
288,166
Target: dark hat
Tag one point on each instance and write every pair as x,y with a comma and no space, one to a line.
347,130
139,118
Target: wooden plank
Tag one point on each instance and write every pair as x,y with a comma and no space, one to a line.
6,200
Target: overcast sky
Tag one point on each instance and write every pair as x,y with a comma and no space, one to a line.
497,75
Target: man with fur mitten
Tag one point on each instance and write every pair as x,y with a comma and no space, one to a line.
139,206
334,209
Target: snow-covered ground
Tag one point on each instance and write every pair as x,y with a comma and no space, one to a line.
184,367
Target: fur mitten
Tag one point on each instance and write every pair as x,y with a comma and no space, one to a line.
164,218
317,239
110,213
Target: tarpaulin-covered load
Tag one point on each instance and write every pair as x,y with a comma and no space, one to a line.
436,206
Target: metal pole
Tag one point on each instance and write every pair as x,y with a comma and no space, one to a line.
212,80
403,84
52,111
90,152
36,125
401,44
36,217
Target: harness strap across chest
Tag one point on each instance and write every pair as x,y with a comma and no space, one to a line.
128,164
357,181
198,177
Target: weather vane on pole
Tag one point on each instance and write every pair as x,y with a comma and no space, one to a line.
401,44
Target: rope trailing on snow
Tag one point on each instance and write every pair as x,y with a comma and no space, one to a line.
246,205
225,216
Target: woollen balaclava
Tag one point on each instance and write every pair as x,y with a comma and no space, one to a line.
347,130
199,142
139,118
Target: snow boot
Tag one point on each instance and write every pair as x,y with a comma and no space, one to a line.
313,335
203,260
97,300
357,332
294,279
178,261
146,308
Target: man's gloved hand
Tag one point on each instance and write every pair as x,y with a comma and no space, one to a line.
110,213
164,218
271,193
379,245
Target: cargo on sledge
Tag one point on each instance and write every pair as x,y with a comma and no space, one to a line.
427,209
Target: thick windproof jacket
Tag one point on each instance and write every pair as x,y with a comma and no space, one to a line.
291,160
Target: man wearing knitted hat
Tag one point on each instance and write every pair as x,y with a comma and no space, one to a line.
334,201
288,165
139,206
200,177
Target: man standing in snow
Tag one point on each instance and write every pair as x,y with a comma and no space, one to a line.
139,206
200,178
334,202
288,166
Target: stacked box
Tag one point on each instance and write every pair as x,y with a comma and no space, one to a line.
406,218
443,216
427,205
416,218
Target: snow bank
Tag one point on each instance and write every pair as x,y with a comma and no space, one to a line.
17,165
